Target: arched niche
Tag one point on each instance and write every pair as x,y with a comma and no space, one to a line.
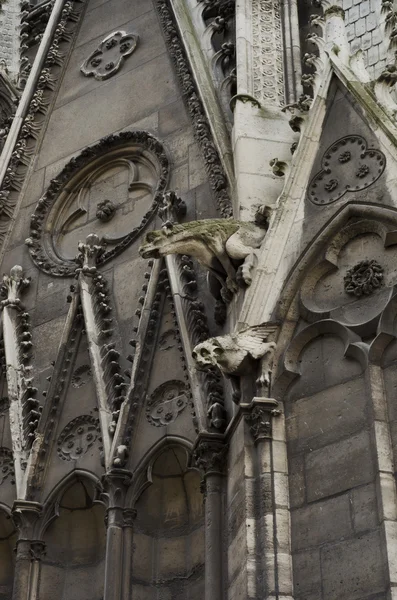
7,557
75,539
169,531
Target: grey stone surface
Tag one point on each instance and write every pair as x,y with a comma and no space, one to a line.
321,522
342,567
339,466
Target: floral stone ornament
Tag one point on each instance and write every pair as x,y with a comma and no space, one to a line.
107,59
363,278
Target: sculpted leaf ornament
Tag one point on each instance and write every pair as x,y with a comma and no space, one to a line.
107,59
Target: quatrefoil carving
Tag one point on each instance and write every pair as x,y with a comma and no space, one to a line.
107,59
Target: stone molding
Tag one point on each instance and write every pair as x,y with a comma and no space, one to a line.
201,126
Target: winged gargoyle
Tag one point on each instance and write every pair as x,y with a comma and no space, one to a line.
238,354
215,243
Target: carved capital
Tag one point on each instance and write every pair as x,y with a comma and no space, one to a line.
25,515
89,253
116,483
258,414
209,456
12,286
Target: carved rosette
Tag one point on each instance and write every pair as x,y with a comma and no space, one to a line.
6,465
363,278
77,437
166,403
108,58
347,166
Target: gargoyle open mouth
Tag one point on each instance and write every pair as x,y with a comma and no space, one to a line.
148,251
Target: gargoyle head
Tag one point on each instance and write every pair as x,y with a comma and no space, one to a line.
207,354
171,239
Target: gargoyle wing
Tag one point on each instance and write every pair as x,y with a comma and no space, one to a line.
254,339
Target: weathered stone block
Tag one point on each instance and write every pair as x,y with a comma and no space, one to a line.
321,522
353,568
339,466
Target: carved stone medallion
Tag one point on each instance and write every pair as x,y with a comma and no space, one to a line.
6,465
107,59
113,188
363,278
166,403
347,166
77,437
81,376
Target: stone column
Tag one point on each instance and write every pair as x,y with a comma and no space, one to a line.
25,515
129,515
274,570
116,483
37,551
210,456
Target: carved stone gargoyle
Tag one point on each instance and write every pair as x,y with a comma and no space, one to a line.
237,354
218,244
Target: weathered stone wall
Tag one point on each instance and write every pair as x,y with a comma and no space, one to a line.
334,517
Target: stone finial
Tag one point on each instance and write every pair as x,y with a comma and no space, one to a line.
12,286
89,253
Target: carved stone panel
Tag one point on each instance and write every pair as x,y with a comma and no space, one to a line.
166,402
347,166
107,59
77,437
354,280
112,189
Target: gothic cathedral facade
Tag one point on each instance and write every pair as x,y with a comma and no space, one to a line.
198,325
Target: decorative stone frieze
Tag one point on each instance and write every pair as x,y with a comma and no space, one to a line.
77,437
348,165
108,58
268,65
105,359
363,278
166,403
